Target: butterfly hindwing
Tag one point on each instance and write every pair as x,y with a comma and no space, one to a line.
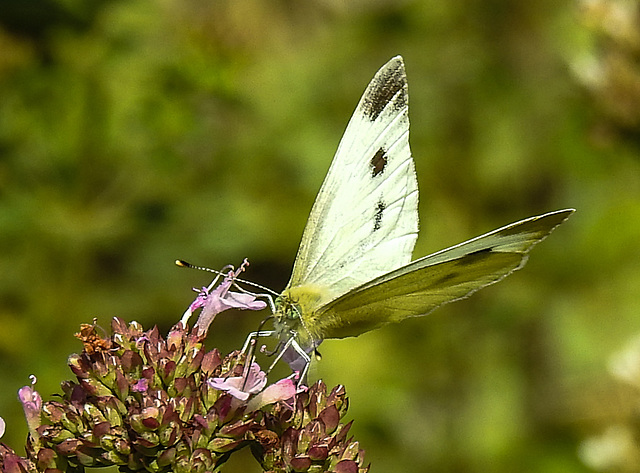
427,283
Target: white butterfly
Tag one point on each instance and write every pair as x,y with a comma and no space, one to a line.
353,272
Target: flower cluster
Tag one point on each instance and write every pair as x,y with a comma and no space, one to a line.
309,437
140,402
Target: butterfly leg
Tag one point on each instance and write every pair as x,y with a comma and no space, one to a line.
255,335
291,350
249,349
307,361
293,359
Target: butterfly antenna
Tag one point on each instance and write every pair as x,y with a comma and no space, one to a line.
269,296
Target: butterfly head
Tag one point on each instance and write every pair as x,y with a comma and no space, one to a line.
296,310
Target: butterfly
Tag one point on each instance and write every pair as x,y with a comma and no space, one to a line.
354,272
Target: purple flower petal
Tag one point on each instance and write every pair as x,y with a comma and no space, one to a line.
32,405
212,301
283,390
238,386
141,386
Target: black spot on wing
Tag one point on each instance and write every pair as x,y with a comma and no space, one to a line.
387,83
378,163
377,219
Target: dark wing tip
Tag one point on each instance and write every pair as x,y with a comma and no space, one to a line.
389,85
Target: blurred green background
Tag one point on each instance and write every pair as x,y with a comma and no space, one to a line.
134,133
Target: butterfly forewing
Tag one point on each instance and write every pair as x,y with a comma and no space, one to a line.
425,284
364,222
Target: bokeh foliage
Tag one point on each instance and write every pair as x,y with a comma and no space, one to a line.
133,133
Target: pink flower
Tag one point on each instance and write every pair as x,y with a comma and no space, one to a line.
282,390
255,383
141,386
238,386
32,405
213,301
2,427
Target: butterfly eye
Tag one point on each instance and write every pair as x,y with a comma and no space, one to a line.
286,307
292,310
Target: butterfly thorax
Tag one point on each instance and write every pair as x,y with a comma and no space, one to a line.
295,311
